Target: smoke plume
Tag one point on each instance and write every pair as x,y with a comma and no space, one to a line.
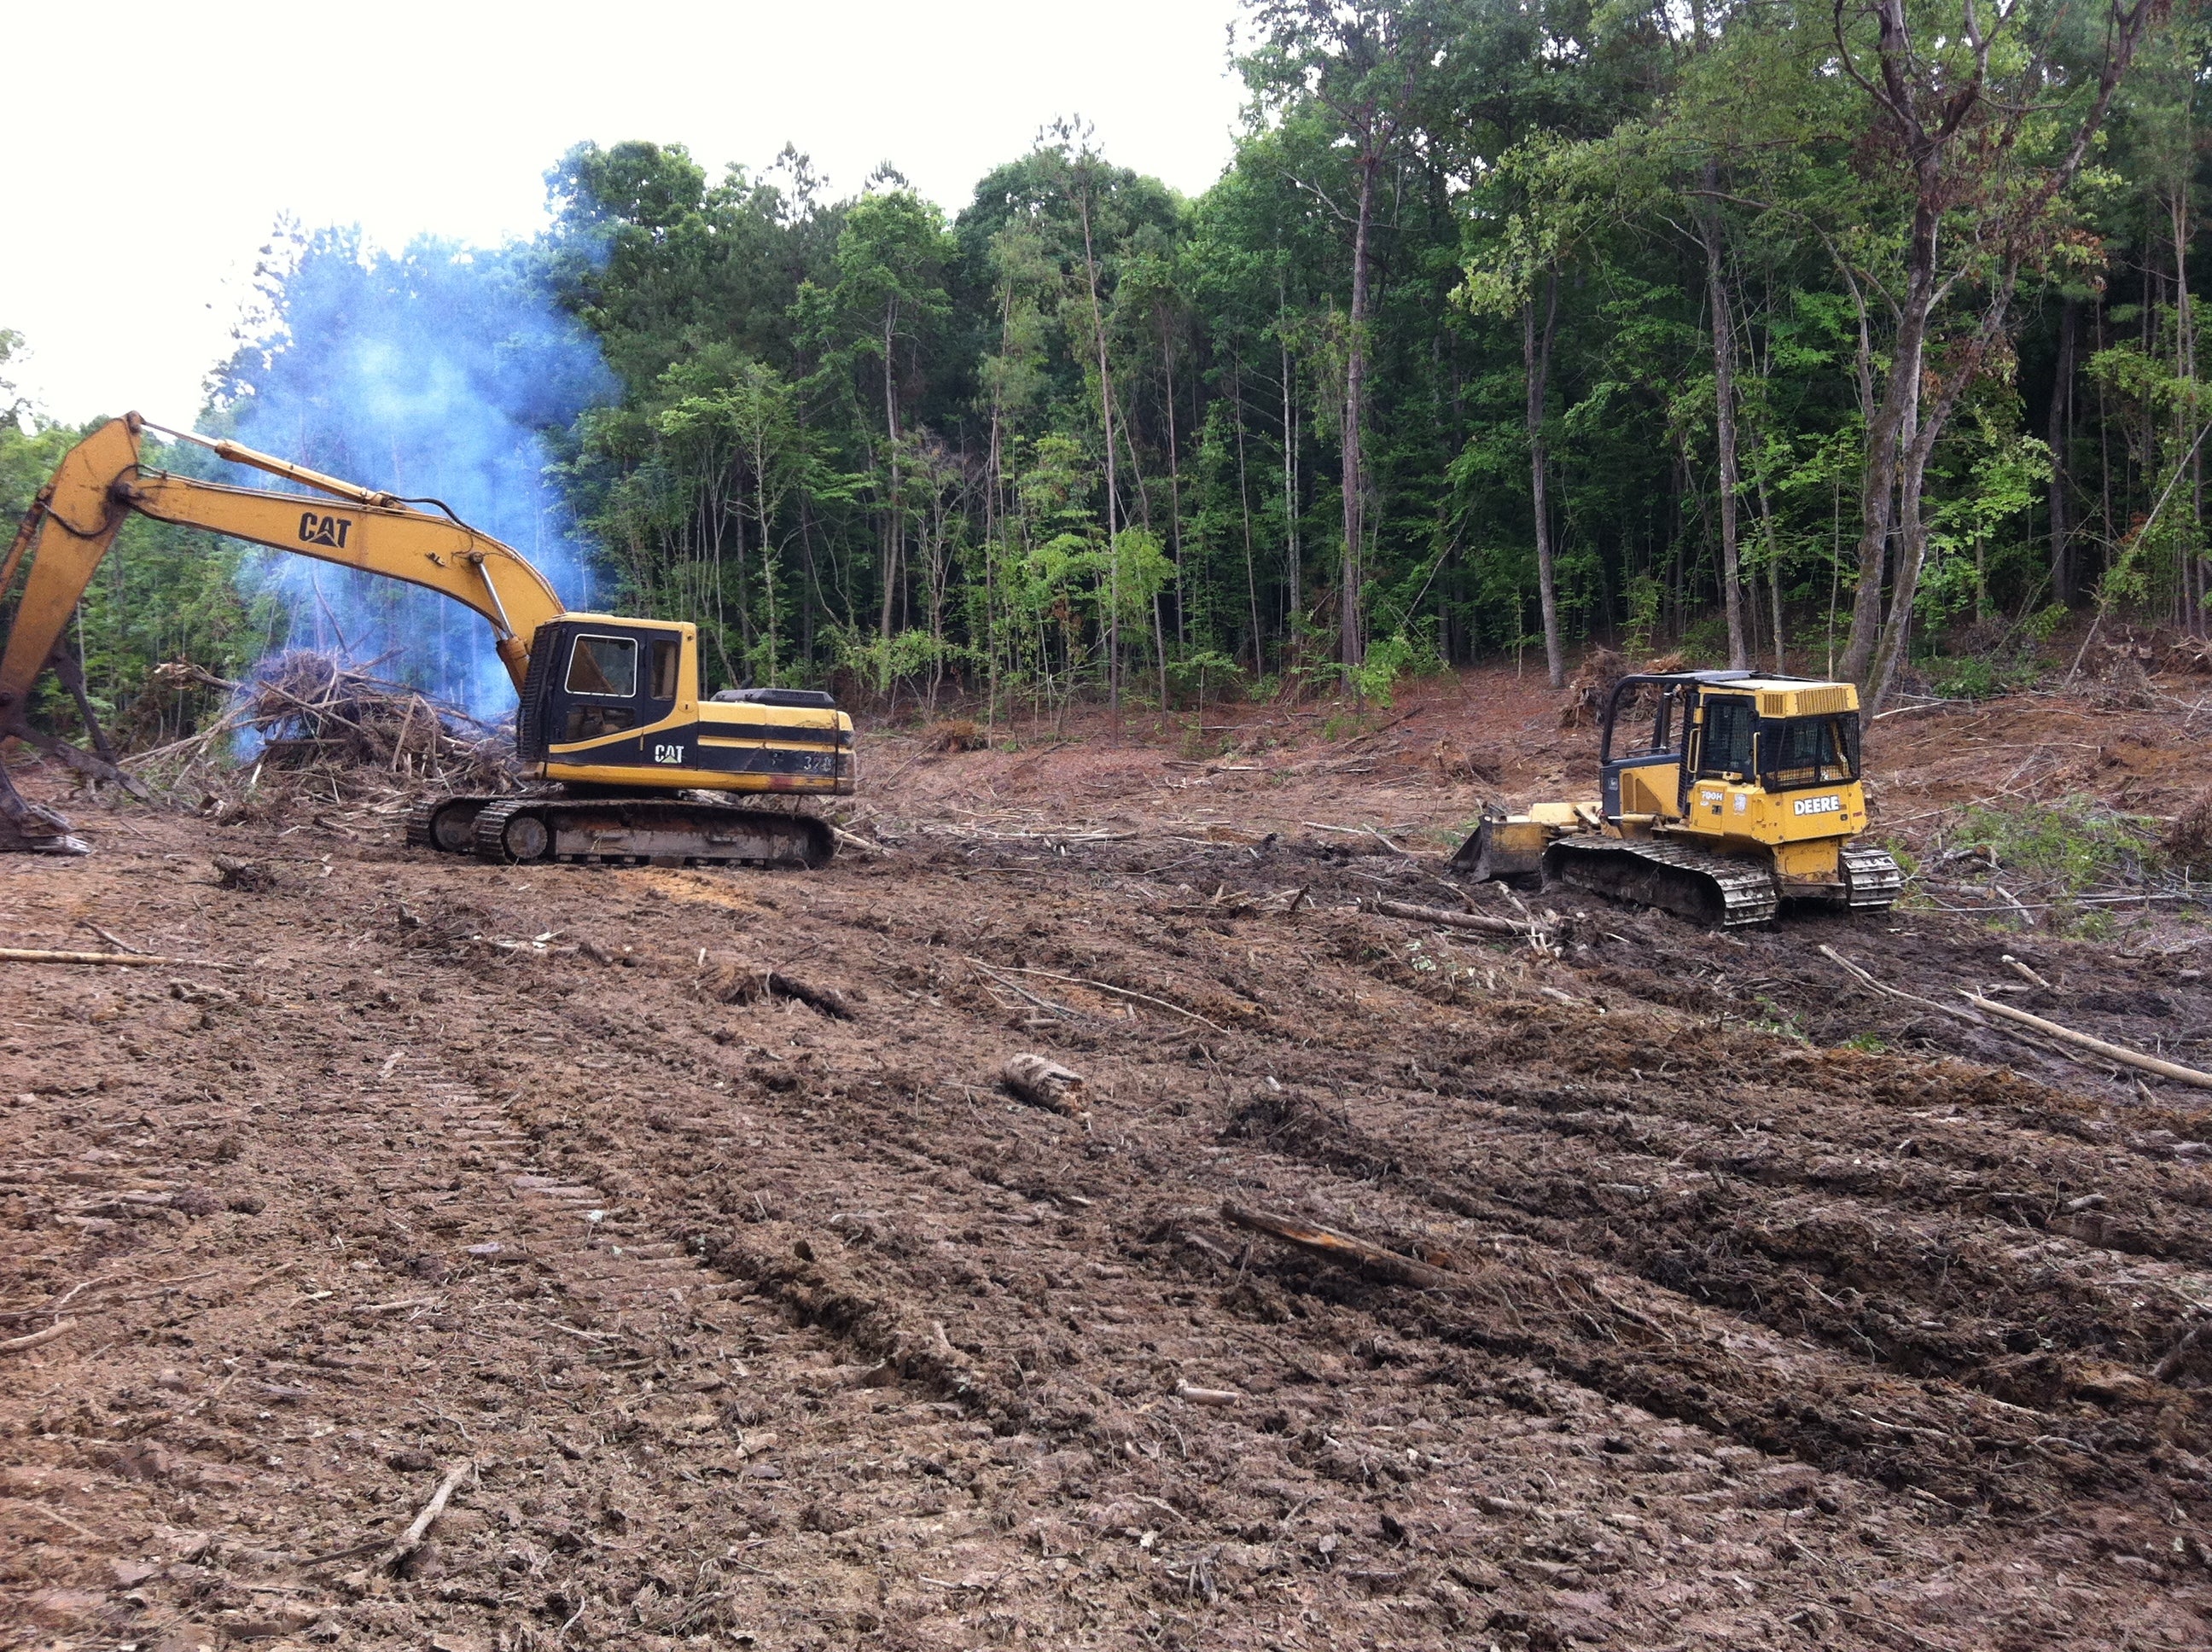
442,371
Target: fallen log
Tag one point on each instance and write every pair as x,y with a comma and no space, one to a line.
1480,923
1341,1248
2119,1052
1040,1081
127,960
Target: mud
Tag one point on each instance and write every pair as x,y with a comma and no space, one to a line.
685,1212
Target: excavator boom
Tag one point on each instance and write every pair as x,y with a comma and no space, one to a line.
101,482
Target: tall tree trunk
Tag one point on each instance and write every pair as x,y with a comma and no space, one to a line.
2062,396
1293,556
1244,500
1174,491
1113,524
1709,229
1352,643
1900,398
894,523
1536,359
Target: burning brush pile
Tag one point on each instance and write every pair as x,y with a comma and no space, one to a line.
312,725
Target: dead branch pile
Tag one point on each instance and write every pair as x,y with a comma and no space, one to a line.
316,725
1589,688
2188,838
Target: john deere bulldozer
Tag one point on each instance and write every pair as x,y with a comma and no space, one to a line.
1721,795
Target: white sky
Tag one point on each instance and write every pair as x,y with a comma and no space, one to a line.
151,146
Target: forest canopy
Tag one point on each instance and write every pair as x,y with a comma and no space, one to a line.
1854,338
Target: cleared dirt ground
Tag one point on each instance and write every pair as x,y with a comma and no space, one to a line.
1780,1311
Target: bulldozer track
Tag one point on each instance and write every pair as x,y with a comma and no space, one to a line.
1691,882
1872,878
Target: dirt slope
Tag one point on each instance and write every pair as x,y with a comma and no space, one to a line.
761,1323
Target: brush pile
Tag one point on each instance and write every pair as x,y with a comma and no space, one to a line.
315,724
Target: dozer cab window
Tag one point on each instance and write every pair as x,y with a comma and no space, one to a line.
606,666
1809,752
1726,747
667,652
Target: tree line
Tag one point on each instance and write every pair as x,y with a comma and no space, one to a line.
1854,337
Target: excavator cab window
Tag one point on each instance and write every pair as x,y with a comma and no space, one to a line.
605,670
606,666
1725,749
667,652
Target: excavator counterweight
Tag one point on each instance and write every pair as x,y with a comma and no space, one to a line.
611,719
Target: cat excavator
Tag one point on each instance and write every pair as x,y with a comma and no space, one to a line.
1721,795
633,765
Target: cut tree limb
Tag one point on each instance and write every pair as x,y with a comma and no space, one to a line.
1480,923
53,1332
2119,1052
411,1539
129,960
1121,992
1341,1248
1043,1082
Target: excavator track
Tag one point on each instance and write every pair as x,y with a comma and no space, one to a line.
1871,878
646,831
1707,889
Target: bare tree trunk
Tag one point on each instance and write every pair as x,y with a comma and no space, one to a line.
1708,227
1292,554
1244,498
1536,358
894,525
1352,643
1113,524
2062,396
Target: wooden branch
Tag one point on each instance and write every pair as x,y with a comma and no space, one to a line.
2119,1052
1885,991
32,954
53,1332
1479,922
2027,974
411,1539
1123,992
1341,1247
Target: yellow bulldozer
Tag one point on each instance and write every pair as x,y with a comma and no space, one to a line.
631,762
1723,795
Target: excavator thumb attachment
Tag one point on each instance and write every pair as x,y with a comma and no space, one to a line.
26,828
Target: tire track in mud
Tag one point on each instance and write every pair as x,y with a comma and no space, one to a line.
2143,1432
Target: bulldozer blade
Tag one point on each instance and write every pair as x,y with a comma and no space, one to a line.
1502,850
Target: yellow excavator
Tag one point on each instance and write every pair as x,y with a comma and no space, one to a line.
1740,790
611,718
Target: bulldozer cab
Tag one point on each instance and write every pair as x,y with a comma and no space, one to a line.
1720,731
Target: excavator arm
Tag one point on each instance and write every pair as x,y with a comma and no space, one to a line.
101,482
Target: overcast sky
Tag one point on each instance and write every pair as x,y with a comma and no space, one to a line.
152,146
